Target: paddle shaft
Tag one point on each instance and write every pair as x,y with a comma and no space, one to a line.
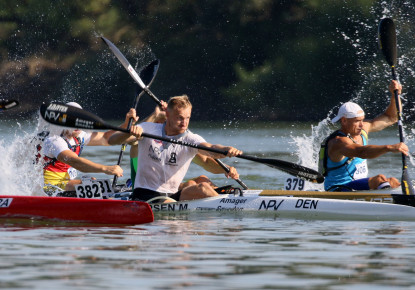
123,146
226,168
399,113
288,167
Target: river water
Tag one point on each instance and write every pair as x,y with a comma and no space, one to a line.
205,250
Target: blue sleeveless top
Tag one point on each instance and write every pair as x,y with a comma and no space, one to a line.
354,168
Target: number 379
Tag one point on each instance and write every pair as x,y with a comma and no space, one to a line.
293,183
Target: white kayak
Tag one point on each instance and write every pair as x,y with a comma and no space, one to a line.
301,207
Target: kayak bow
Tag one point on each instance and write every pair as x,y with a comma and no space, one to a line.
95,211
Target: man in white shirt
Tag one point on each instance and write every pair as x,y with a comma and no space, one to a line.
161,166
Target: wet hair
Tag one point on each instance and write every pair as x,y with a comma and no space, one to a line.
179,102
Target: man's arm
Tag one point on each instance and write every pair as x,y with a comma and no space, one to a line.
102,138
82,164
125,138
390,116
232,152
209,164
342,147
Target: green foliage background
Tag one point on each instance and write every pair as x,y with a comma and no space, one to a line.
242,60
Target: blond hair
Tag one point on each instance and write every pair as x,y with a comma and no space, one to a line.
179,102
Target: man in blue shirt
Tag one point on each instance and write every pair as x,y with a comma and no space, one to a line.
347,148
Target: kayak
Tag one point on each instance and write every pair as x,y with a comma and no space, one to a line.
310,205
79,210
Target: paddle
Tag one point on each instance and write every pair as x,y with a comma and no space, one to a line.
147,74
68,116
8,104
128,67
387,43
137,78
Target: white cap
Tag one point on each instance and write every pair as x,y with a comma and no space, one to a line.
73,104
349,110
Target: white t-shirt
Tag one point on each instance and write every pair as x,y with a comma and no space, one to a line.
161,166
55,144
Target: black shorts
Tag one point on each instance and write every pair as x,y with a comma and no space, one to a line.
144,194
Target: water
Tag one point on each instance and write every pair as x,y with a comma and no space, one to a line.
214,251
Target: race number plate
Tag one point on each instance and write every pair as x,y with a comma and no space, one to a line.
294,183
97,188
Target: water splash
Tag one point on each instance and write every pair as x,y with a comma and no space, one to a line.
20,175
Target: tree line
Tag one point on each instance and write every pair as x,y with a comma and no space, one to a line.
236,60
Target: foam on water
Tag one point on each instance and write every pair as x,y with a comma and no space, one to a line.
20,175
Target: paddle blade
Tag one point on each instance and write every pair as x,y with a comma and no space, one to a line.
290,168
387,40
296,170
148,74
68,116
8,104
124,62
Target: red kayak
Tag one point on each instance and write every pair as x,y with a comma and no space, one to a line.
69,209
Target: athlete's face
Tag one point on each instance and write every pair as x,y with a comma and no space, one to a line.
178,120
353,126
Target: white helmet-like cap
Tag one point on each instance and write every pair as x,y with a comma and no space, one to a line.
349,110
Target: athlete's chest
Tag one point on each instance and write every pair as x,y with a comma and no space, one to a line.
166,153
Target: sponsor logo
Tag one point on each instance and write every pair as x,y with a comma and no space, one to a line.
219,208
52,115
154,153
173,158
235,201
84,124
271,204
307,175
5,202
58,108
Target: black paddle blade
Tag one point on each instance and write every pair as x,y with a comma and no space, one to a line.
68,116
148,74
290,168
387,40
8,104
296,170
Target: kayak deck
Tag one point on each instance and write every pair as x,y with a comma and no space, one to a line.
301,207
95,211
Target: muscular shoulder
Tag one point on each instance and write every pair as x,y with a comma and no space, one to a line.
339,141
194,138
336,147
